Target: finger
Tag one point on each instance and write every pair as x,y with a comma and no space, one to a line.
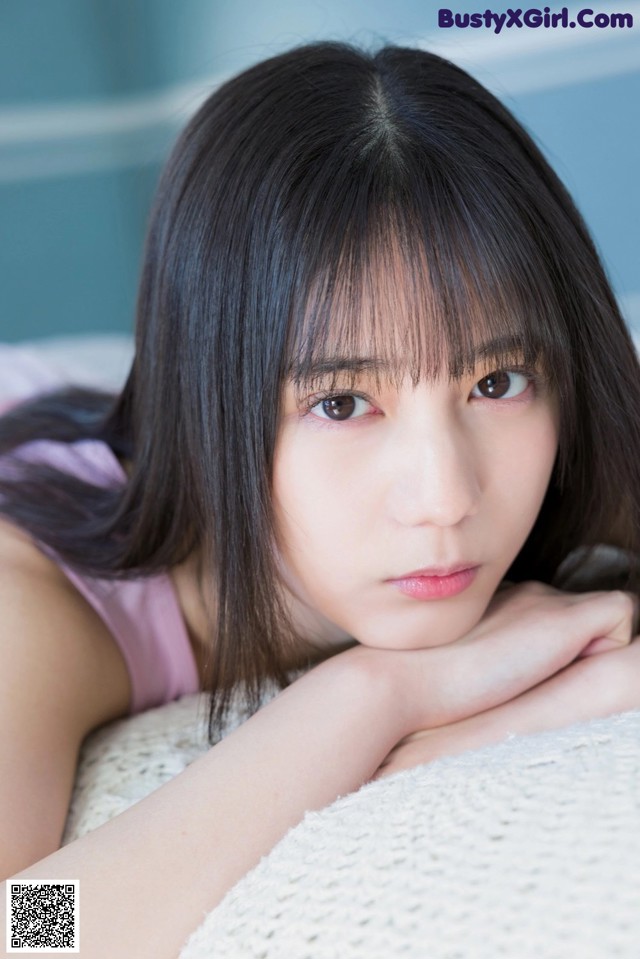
636,613
606,643
610,616
521,647
603,645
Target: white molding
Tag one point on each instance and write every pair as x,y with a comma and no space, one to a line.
64,139
58,139
487,47
526,60
83,118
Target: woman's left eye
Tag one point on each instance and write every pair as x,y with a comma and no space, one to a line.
346,406
502,385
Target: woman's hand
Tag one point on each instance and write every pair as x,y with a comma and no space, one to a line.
592,687
529,632
581,639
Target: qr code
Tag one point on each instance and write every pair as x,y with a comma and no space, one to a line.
43,916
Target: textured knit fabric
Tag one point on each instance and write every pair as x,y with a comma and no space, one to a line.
529,849
143,615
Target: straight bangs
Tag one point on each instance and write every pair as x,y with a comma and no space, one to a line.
442,280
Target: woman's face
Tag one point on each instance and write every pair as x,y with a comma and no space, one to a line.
376,482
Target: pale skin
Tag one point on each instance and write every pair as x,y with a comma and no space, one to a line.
432,678
414,476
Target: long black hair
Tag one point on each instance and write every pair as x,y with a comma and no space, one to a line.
294,187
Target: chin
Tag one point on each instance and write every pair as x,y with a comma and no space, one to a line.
419,627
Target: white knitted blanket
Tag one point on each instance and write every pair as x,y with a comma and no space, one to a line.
530,848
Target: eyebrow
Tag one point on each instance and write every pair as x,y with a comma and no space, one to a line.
357,365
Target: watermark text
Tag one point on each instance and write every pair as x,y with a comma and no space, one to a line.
532,18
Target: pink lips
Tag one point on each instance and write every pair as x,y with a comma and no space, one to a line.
435,582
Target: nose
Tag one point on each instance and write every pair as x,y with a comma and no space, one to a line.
435,478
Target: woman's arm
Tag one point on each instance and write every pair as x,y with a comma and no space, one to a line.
600,684
148,877
61,675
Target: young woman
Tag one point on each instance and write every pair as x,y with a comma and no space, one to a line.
382,408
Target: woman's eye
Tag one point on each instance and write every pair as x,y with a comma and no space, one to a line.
338,408
501,385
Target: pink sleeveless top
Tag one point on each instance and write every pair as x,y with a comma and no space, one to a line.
143,615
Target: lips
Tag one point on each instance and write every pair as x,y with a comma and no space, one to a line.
436,571
424,584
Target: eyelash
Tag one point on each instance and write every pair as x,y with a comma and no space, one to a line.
536,379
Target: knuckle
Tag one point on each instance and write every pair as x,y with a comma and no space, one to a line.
618,598
534,587
625,601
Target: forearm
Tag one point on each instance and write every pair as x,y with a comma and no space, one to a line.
590,688
148,877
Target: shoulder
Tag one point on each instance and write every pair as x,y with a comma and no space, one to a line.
64,634
61,676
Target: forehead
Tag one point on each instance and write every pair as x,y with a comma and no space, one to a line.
393,313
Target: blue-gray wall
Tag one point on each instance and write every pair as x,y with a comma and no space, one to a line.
92,93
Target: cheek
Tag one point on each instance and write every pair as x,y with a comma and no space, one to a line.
313,498
526,468
539,452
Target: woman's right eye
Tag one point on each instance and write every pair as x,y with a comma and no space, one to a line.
345,406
